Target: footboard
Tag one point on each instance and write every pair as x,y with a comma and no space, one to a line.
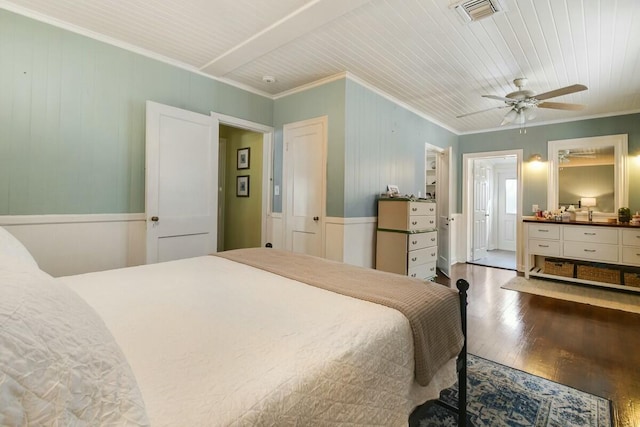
461,362
461,365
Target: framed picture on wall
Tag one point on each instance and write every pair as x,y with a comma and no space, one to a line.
242,186
243,158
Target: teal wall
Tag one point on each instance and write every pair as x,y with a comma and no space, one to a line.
72,118
326,100
72,125
385,144
535,142
372,142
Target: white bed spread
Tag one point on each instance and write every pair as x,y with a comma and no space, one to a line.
214,342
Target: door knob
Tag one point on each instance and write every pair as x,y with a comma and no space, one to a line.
155,218
315,218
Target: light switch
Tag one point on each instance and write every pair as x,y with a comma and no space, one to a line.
276,190
534,208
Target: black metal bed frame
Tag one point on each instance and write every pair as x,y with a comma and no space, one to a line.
461,369
461,362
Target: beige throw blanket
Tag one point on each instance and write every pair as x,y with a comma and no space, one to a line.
433,310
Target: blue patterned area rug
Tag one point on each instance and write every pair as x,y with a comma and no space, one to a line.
502,396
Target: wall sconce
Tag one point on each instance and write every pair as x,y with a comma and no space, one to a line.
535,158
588,202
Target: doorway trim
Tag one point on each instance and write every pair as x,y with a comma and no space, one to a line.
467,199
267,159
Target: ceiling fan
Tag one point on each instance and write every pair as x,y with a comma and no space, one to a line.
524,102
564,156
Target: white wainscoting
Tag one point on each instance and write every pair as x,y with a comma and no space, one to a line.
351,240
73,244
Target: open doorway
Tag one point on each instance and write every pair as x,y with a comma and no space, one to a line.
244,171
240,188
493,209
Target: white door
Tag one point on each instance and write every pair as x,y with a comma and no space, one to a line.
181,183
481,195
304,168
444,198
507,210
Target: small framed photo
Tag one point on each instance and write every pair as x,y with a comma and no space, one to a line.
242,186
243,158
393,190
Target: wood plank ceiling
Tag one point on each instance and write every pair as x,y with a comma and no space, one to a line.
419,52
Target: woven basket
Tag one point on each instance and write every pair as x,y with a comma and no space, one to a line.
632,279
598,274
558,267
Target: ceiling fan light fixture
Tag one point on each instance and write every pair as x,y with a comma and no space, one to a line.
509,117
531,113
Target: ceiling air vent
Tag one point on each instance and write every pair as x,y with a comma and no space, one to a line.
475,10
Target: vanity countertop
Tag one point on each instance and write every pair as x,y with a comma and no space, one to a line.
591,223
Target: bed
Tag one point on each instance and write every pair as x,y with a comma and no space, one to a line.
216,340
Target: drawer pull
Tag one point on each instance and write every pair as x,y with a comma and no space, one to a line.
543,246
414,222
414,242
433,239
589,234
589,250
433,254
413,275
543,231
414,258
414,209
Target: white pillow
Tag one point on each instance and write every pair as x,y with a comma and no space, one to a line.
59,364
13,252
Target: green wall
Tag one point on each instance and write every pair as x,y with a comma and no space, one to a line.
243,215
325,100
372,142
72,118
72,125
535,142
385,144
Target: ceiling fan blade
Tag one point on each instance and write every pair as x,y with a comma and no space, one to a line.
481,111
501,98
561,106
562,91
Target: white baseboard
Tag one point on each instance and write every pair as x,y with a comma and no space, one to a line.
73,244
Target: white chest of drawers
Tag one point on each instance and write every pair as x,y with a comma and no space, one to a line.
631,247
407,240
611,245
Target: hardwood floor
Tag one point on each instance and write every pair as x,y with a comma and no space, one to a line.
593,349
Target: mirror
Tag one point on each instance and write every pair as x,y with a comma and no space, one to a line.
589,173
